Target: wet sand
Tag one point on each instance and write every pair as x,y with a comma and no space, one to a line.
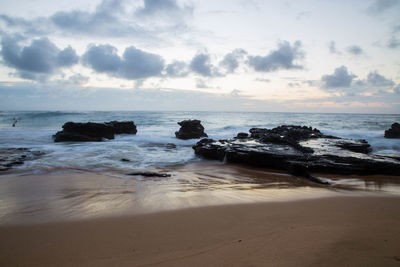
205,214
337,231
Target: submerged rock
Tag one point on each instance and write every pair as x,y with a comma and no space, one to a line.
295,148
93,132
394,131
190,129
150,174
10,157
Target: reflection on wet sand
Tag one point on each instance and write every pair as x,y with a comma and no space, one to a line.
78,195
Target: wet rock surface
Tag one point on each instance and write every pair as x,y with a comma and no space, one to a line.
11,157
394,131
190,129
93,132
299,150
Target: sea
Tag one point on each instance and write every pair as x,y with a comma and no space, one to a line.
81,180
148,148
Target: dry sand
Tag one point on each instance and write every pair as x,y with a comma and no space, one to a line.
338,231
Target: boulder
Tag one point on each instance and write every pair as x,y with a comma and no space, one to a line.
93,132
123,127
84,132
393,132
190,129
294,148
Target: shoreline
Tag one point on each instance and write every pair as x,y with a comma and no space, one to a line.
330,231
69,195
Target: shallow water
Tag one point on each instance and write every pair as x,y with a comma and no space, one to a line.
71,195
148,148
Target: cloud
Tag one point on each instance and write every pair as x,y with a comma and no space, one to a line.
282,58
263,80
177,69
380,6
375,79
106,20
231,60
200,64
396,89
339,79
40,57
355,50
152,7
134,64
102,58
332,48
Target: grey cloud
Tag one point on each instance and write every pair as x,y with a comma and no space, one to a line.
231,60
40,57
134,64
355,50
177,69
375,79
102,58
393,43
339,79
200,64
158,6
332,48
397,89
139,64
34,27
282,58
201,84
380,6
105,20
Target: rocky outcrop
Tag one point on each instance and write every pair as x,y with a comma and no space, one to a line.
123,127
190,129
393,132
299,150
11,157
93,132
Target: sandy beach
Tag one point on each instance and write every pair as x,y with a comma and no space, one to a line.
338,231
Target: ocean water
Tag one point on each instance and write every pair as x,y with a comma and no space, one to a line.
148,148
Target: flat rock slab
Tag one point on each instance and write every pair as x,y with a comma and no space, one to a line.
299,150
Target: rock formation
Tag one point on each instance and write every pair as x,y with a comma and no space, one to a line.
93,132
394,131
190,129
299,150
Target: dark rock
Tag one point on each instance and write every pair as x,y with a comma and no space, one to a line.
93,132
190,129
149,174
123,127
300,151
170,146
242,135
393,132
10,157
125,160
84,132
360,146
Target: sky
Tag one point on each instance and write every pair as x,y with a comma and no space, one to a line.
212,55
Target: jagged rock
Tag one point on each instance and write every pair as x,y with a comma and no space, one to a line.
190,129
299,148
242,135
84,132
123,127
93,132
393,132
